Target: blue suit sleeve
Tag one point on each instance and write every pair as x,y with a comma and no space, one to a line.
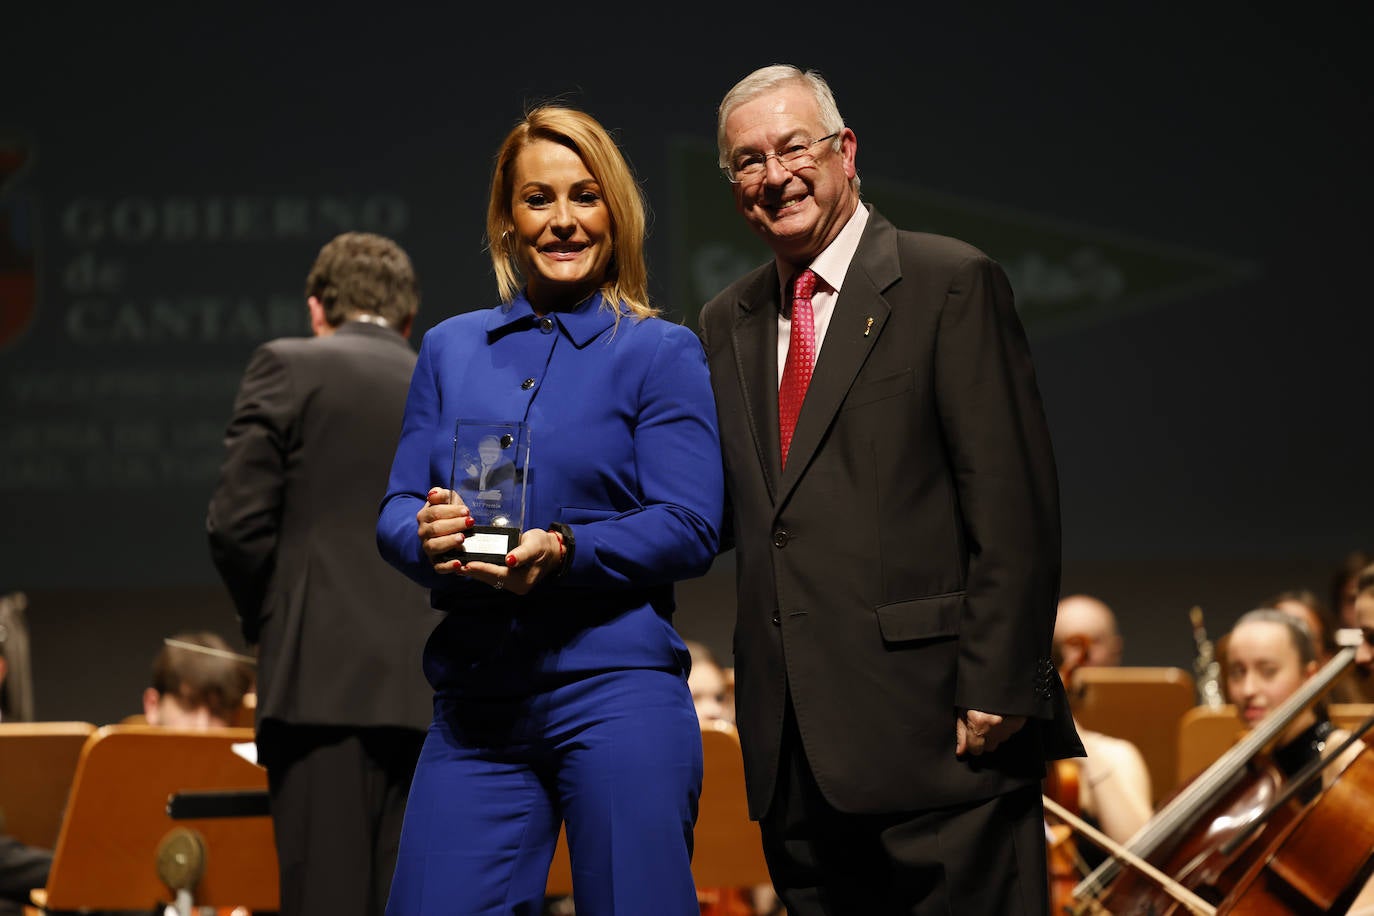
410,481
676,531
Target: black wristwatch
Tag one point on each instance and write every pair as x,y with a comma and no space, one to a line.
569,546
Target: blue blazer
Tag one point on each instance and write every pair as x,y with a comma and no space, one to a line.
624,450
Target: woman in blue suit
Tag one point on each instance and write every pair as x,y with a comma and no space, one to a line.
560,683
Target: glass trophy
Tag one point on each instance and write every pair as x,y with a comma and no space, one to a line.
490,461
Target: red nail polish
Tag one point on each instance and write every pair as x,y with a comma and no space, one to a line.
471,521
510,560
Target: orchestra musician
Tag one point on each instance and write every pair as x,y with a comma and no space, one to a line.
1269,655
1114,789
1202,848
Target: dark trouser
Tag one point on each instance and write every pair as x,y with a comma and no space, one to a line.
338,796
987,858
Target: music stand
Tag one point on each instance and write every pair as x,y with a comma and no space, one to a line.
37,762
119,841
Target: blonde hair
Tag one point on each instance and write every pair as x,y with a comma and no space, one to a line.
627,276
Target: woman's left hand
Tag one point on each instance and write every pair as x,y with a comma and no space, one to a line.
539,555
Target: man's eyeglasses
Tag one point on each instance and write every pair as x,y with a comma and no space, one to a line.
749,168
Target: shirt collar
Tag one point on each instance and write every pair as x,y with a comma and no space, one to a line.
583,323
832,264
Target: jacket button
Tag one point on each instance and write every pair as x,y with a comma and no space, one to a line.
780,537
527,384
546,324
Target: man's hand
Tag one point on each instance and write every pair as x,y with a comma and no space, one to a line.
977,732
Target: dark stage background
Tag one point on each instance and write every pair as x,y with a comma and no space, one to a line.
1181,195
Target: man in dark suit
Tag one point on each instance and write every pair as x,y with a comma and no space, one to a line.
342,703
896,522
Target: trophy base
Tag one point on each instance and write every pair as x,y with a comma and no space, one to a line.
487,544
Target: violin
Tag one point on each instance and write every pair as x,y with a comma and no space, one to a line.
1187,839
1061,785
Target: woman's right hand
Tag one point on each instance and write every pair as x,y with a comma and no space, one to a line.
443,521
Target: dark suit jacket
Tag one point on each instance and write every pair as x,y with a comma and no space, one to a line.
906,563
22,868
292,531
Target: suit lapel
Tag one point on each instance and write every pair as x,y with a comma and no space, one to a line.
860,314
755,339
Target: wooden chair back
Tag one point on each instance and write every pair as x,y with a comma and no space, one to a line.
1141,705
1204,734
1351,716
37,763
728,852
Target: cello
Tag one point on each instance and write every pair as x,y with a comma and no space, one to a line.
1185,838
1320,861
1066,866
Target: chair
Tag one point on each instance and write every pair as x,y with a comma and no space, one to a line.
37,763
119,847
1204,734
1141,705
1351,716
727,849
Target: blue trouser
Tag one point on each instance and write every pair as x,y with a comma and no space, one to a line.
617,755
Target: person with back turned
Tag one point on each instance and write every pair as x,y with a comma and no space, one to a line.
197,682
896,523
341,702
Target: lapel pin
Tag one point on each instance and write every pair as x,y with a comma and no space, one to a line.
868,327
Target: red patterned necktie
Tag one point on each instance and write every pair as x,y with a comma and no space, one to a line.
801,358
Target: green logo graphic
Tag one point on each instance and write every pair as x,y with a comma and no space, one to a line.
1064,275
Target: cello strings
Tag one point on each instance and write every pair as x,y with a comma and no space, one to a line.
1295,785
1218,778
1180,893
